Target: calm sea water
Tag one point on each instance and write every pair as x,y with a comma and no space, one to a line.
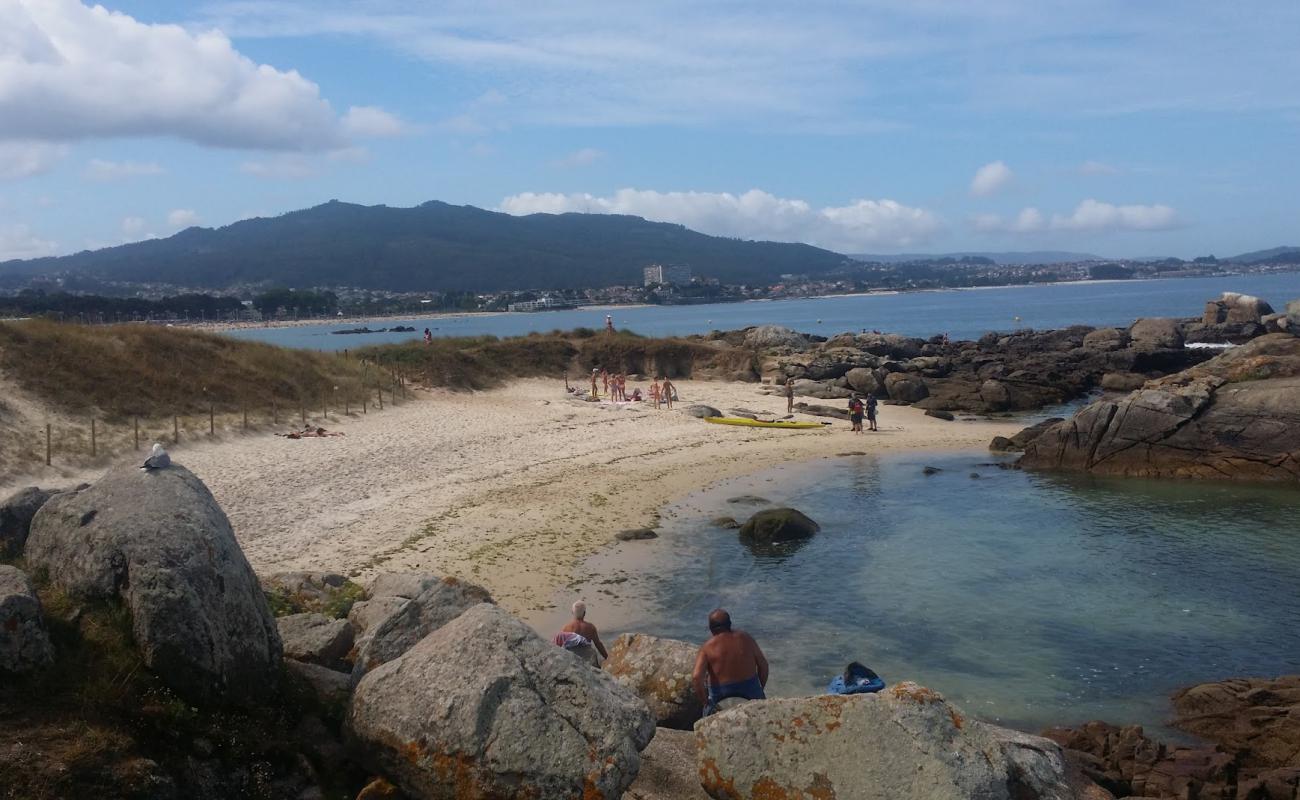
964,314
1028,599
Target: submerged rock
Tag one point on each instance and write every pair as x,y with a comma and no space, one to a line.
659,672
484,708
728,523
24,642
776,525
158,542
906,743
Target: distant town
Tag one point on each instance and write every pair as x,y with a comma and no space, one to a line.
662,284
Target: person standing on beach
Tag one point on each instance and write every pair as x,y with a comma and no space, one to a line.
604,381
789,395
668,390
594,373
428,336
729,665
654,391
855,413
871,411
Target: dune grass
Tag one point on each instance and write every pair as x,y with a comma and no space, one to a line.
137,370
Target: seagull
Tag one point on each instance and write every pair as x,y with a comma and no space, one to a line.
157,459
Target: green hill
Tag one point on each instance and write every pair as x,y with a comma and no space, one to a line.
433,246
1273,255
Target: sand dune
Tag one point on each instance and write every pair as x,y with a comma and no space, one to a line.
511,488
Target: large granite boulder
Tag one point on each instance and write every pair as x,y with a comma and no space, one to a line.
763,337
24,642
906,743
774,525
484,708
1105,340
158,542
863,380
16,514
1156,333
315,638
1017,443
668,769
1232,307
433,602
905,387
1235,416
1293,317
659,672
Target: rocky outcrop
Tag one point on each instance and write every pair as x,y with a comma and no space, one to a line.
16,514
774,525
1252,726
701,411
1236,416
315,638
24,642
864,381
1156,333
330,688
484,708
1017,443
765,337
659,672
902,744
1106,340
905,387
158,542
433,602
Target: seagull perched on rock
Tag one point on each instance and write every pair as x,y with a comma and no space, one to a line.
157,459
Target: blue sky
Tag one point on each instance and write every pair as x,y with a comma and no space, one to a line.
1111,127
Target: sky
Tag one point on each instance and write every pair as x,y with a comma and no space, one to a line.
1167,127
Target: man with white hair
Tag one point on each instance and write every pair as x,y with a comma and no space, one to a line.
581,638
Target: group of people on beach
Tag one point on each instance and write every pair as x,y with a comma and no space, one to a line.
613,386
729,665
858,407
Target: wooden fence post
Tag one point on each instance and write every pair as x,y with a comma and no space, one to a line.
381,397
94,439
303,408
245,417
212,420
48,445
275,413
324,406
135,424
176,429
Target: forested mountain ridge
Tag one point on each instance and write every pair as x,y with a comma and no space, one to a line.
433,246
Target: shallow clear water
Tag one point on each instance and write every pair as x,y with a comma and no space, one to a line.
1029,599
963,314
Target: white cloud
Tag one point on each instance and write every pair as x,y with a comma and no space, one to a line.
182,218
100,170
73,72
18,241
752,215
990,178
133,226
580,158
1090,215
23,159
371,122
1097,168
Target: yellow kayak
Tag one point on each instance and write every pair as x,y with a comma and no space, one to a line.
754,423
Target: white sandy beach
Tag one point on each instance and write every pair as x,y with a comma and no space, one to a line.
511,488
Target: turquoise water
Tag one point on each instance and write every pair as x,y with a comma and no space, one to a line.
1028,599
963,314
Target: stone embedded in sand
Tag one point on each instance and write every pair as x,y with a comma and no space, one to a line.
158,542
906,743
659,671
636,534
484,708
701,411
24,642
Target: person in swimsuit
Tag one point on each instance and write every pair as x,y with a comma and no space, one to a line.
730,665
594,374
590,644
668,391
654,391
789,395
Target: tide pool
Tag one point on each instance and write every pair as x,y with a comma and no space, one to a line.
1027,599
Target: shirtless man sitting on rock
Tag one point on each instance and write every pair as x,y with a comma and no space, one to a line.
731,663
581,638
